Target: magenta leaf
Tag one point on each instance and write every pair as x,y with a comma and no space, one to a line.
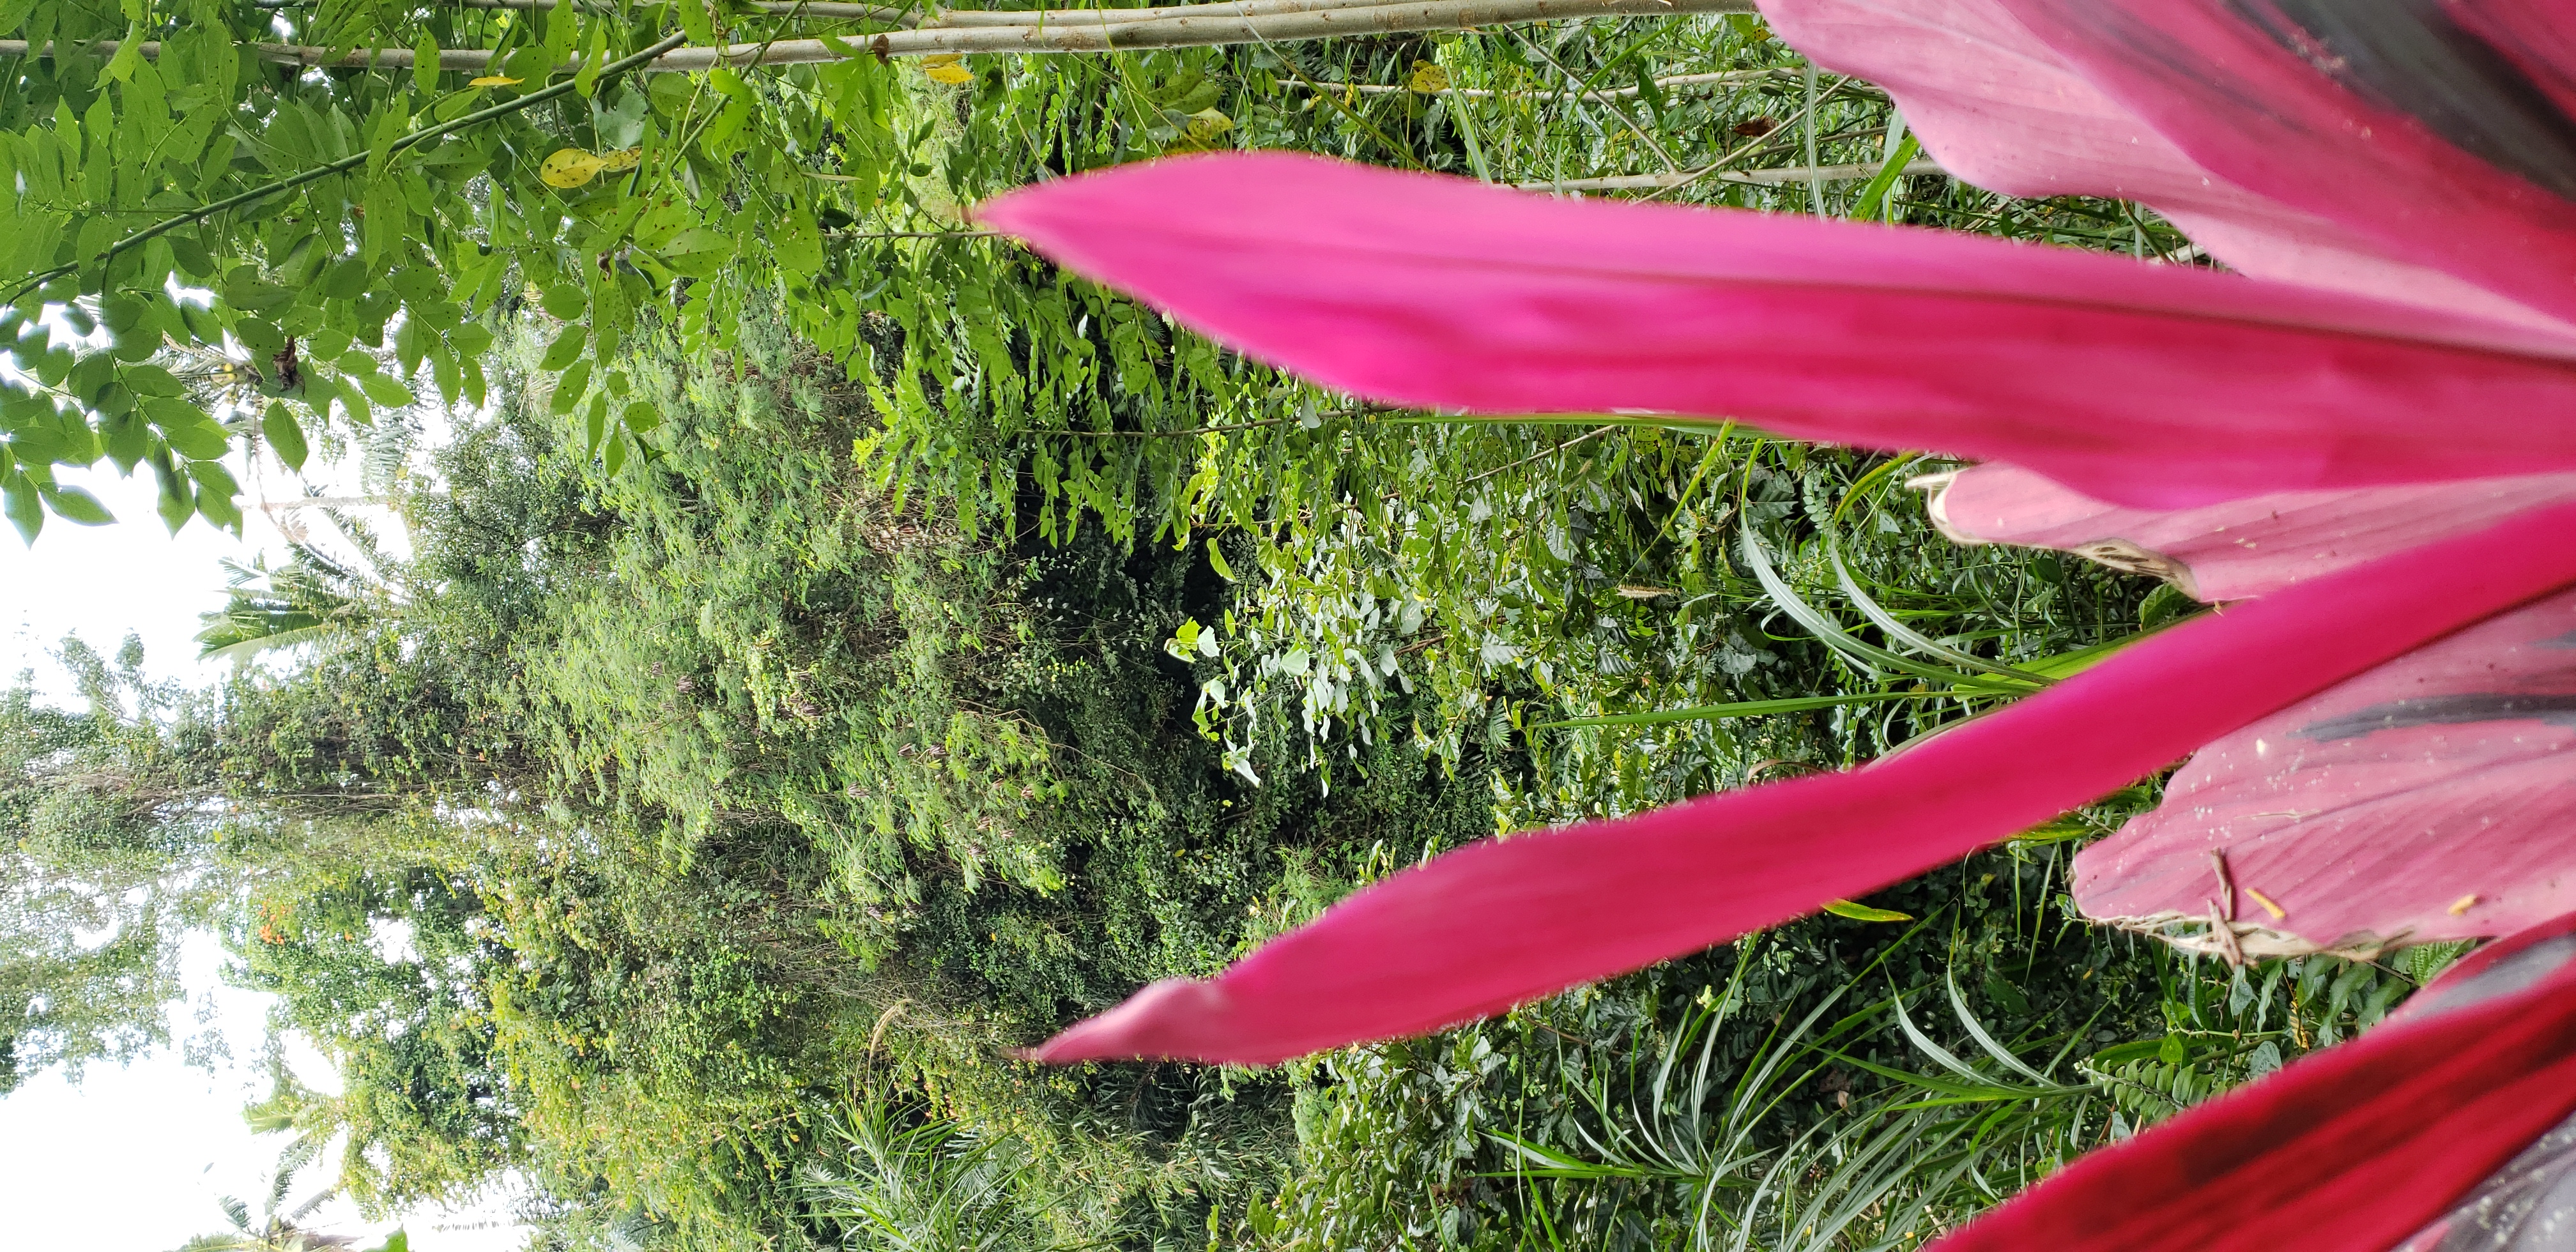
2237,549
2145,385
2359,1147
2432,798
2387,116
1488,926
2000,109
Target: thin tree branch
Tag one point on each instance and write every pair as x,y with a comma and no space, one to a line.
1540,455
1182,26
915,234
1087,13
341,166
865,12
1487,93
1756,178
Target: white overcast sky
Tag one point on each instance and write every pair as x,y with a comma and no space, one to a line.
134,1159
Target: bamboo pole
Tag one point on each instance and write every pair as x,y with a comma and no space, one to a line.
1182,26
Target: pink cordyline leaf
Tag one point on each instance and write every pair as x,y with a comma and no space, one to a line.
2432,798
2234,550
2387,116
1480,929
2001,110
2144,385
2396,1138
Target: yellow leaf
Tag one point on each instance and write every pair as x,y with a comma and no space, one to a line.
570,167
620,161
1428,79
1864,913
1206,124
493,80
946,67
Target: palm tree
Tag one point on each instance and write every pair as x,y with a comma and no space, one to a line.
927,1187
276,1231
306,599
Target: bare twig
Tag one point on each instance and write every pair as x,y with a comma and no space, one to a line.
1757,178
1488,93
1540,455
1192,432
915,234
1084,13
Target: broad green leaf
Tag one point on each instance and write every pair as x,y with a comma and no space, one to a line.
150,380
125,438
586,79
346,279
799,246
201,439
202,324
285,436
424,63
562,21
247,291
178,500
73,504
212,476
217,506
191,255
570,387
385,390
121,312
129,55
565,349
566,302
26,511
411,344
443,372
696,252
260,336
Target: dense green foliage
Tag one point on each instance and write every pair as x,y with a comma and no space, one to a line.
818,669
